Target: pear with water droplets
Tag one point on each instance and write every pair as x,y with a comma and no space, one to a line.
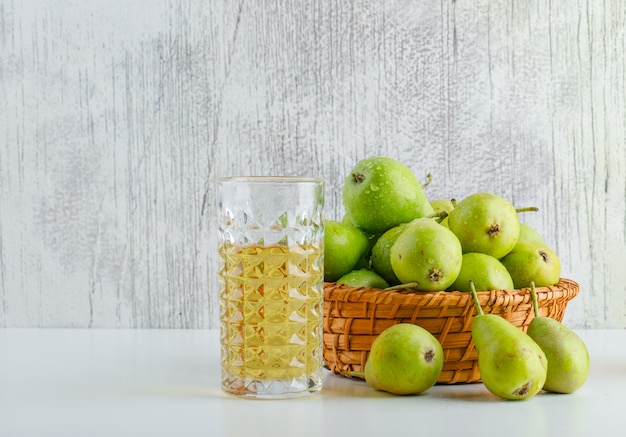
567,354
344,247
380,193
381,254
427,255
485,223
512,366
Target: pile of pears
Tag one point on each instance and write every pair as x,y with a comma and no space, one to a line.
517,365
406,359
392,235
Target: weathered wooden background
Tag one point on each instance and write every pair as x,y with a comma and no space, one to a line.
117,118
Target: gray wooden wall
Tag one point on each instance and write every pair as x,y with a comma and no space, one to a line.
117,118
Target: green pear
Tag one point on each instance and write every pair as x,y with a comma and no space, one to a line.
363,278
347,220
485,223
442,208
529,235
370,376
512,366
486,271
426,254
442,205
380,193
404,359
532,262
567,354
344,247
380,258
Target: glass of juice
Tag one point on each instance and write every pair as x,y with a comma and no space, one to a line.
271,278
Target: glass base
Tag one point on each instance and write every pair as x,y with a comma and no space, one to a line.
273,389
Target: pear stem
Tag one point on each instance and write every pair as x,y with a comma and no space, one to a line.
442,214
533,294
429,179
403,286
479,309
527,209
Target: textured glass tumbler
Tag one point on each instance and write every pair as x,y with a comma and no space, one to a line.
271,278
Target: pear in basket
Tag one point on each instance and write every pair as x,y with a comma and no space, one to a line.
380,193
486,223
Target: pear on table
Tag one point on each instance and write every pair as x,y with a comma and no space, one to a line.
404,359
567,354
512,366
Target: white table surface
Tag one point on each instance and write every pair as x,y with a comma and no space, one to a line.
166,383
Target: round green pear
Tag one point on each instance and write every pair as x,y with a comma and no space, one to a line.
528,234
380,193
344,247
532,262
426,254
486,271
363,278
404,359
567,354
486,223
370,377
381,252
364,262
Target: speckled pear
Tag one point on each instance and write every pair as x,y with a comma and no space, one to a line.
567,354
380,193
527,234
512,366
532,262
404,359
485,271
363,278
426,254
486,223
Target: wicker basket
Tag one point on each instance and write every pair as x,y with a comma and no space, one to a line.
353,317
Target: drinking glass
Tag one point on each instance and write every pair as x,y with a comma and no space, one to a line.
271,277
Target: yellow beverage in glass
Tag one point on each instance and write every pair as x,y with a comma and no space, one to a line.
271,315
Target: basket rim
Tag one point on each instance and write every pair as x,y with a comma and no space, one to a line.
567,288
